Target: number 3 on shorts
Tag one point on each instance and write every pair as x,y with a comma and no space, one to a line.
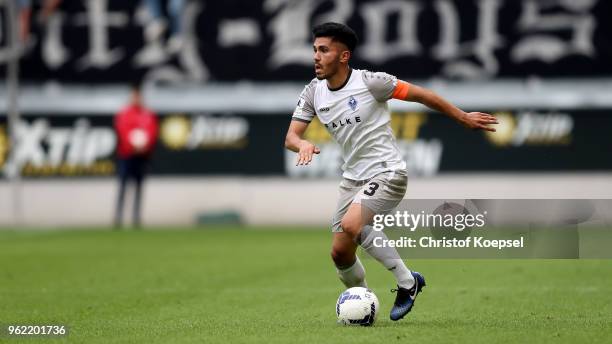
373,187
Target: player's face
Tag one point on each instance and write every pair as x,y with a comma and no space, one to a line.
328,55
136,98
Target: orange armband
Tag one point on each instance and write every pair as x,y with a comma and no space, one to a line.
401,90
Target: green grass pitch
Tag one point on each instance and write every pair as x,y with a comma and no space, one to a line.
231,285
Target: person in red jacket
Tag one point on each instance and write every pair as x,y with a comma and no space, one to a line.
136,127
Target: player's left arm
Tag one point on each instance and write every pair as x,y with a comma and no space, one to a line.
471,120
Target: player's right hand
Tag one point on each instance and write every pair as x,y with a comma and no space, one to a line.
307,149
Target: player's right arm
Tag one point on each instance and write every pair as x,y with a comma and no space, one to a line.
295,142
302,115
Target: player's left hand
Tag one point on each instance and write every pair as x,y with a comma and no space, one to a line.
478,121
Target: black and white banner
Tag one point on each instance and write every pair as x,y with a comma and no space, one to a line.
91,41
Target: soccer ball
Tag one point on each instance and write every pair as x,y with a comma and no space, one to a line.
357,306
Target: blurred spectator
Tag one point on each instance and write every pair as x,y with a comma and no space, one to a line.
158,24
25,15
137,129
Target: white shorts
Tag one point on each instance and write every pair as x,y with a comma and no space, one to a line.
382,193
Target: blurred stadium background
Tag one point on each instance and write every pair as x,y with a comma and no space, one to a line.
224,87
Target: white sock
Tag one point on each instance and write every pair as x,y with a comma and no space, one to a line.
353,276
387,256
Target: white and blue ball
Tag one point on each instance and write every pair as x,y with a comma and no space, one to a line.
357,306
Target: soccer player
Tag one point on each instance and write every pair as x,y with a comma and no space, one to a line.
352,104
137,130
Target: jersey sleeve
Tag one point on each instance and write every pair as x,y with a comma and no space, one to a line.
304,110
385,86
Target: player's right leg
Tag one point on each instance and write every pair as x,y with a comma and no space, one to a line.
349,267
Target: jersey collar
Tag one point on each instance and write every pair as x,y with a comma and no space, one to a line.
348,77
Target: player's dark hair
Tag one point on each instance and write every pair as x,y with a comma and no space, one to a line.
337,32
135,86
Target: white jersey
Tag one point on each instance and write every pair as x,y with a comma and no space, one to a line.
357,117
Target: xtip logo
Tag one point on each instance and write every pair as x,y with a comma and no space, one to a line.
41,149
182,132
531,128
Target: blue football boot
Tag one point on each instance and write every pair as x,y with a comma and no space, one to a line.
405,297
